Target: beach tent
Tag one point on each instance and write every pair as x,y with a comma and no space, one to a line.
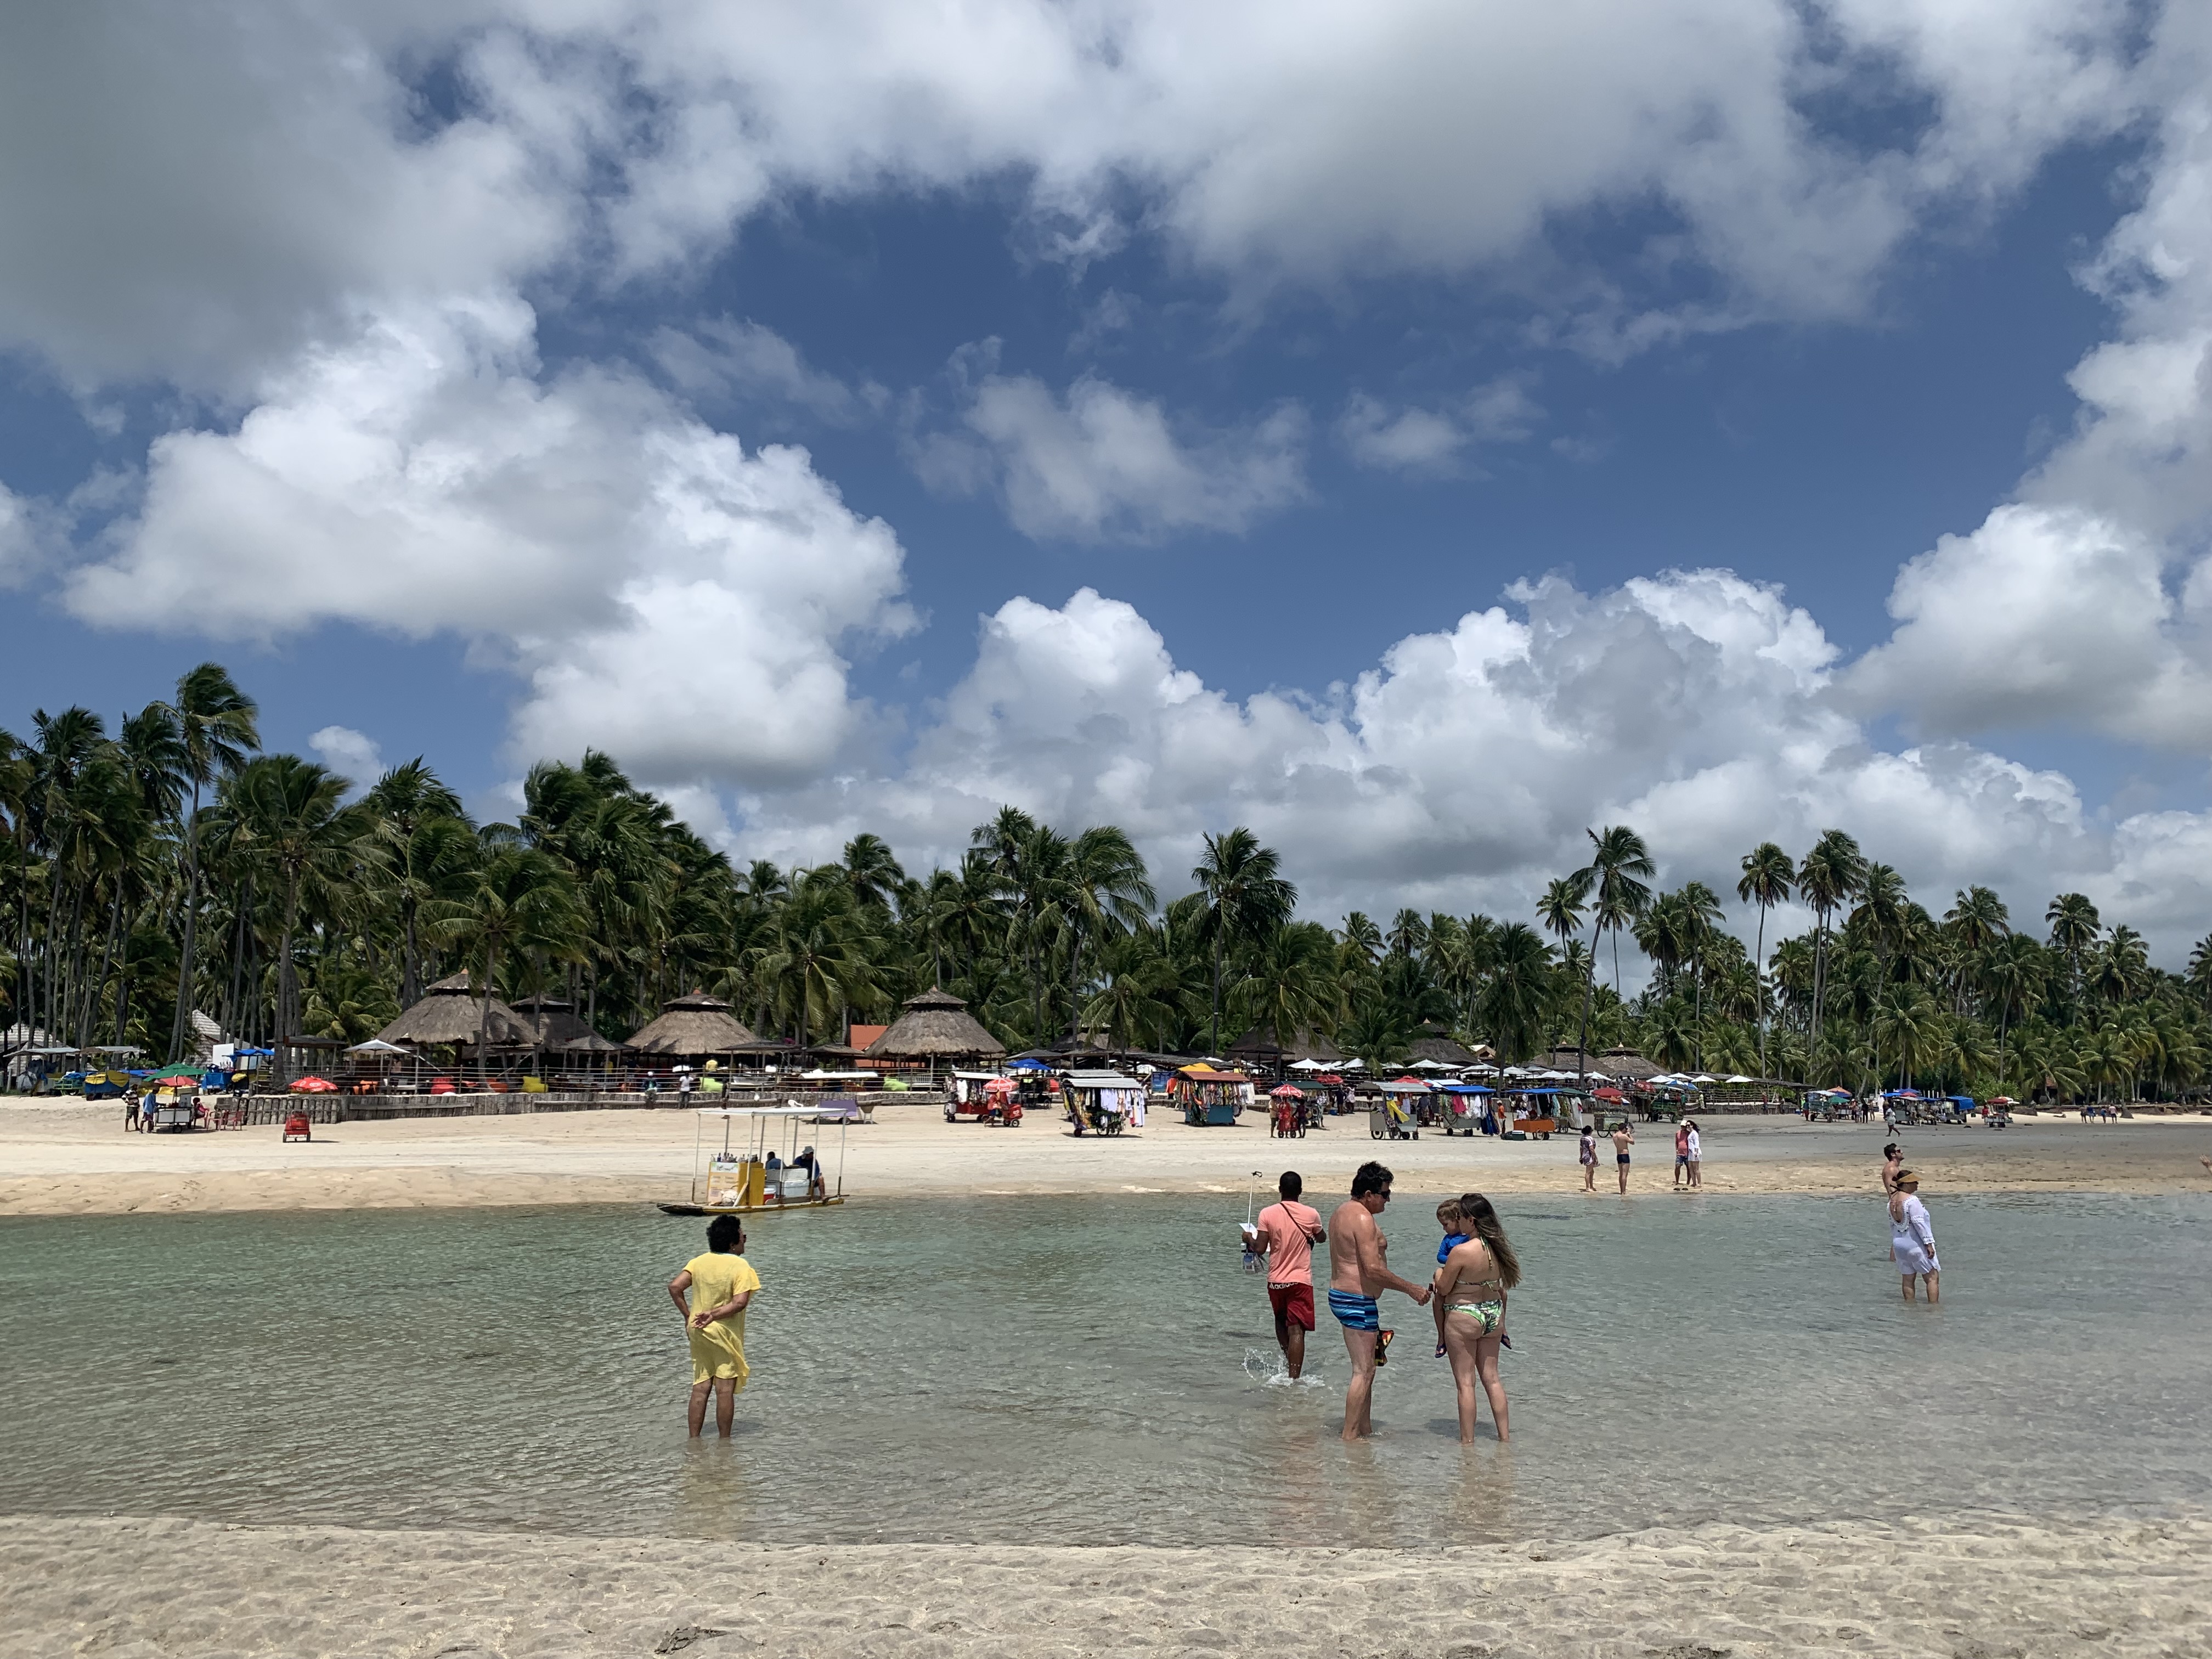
1028,1065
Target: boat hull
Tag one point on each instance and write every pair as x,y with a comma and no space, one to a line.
751,1209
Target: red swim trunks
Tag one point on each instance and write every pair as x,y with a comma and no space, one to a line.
1293,1304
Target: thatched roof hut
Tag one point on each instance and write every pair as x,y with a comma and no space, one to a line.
936,1025
1258,1047
553,1019
1442,1049
1624,1064
452,1011
697,1024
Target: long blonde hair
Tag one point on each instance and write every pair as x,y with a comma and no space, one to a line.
1476,1215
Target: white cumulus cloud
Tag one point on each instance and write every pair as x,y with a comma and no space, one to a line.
352,755
1103,463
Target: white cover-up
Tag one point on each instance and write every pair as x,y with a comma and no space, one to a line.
1912,1239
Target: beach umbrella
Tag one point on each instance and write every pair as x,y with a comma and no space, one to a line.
1740,1078
314,1086
1308,1065
1284,1091
376,1045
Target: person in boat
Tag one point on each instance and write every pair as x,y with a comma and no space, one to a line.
712,1293
816,1185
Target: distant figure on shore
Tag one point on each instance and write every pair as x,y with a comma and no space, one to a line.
712,1293
1471,1287
1623,1139
1357,1274
1681,1153
1912,1237
1455,1236
1697,1150
1589,1157
1284,1233
1891,1161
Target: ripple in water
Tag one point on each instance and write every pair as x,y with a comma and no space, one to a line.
1098,1371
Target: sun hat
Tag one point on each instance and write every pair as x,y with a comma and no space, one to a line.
1906,1178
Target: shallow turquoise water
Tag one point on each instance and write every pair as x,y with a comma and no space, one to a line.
1095,1371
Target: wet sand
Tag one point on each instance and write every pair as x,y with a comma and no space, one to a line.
73,1159
174,1590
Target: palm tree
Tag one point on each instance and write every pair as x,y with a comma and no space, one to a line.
519,902
2073,928
1561,907
287,810
220,726
873,870
2012,976
428,844
1517,990
1245,896
1139,993
1768,878
1616,876
1105,895
2199,976
1287,988
1829,877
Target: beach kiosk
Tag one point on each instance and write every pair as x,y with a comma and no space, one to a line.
1208,1096
758,1164
1104,1103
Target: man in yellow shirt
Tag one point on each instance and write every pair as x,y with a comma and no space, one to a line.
712,1293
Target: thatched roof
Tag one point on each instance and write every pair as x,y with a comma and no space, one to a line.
697,1024
936,1025
1623,1063
451,1012
1442,1049
1259,1044
553,1018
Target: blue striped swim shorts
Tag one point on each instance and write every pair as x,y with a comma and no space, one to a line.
1355,1312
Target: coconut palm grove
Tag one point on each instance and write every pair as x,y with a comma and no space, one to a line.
172,866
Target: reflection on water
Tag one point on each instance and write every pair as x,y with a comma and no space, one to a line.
1098,1371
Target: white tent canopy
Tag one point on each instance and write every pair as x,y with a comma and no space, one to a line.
377,1046
1310,1065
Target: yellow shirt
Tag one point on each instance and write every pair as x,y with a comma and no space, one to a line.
720,1350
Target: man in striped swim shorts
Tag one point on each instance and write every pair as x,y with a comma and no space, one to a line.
1357,1274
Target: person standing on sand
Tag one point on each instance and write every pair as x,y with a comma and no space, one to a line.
1471,1287
1696,1153
1286,1233
1623,1139
720,1285
1912,1237
1357,1274
1681,1152
1589,1156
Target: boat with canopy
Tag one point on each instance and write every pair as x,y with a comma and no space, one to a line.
747,1175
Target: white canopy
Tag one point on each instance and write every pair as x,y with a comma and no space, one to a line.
1351,1066
1101,1080
1429,1065
1308,1065
817,1075
759,1111
1740,1078
1702,1078
376,1045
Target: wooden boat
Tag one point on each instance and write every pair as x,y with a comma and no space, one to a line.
737,1179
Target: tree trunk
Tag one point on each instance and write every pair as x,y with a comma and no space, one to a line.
288,981
192,928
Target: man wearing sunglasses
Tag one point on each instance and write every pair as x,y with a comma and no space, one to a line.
1357,1274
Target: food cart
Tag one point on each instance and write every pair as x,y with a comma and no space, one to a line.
1390,1110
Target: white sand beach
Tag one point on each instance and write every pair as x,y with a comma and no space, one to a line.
179,1589
68,1158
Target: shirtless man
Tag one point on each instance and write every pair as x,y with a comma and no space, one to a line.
1623,1139
1357,1274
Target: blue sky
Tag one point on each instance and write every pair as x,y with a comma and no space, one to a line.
1175,400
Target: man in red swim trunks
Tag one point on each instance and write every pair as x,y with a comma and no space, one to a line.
1286,1233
